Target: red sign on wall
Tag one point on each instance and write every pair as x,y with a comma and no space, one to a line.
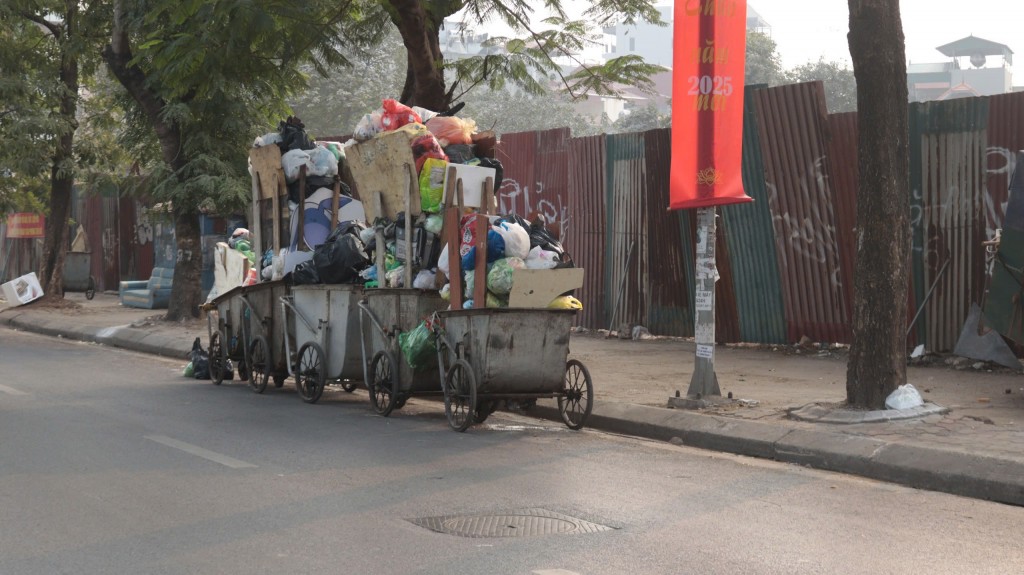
25,225
710,40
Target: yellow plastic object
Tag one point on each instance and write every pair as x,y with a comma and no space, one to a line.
565,302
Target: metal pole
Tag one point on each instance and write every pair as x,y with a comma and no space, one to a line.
704,382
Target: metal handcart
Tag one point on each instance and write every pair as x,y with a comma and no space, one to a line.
489,355
76,276
327,337
384,314
250,330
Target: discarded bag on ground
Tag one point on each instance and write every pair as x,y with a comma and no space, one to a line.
904,397
200,360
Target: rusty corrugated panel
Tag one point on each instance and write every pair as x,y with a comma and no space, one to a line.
952,147
536,168
842,165
751,248
585,237
1005,139
668,294
627,250
793,124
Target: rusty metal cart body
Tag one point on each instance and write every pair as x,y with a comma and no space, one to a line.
250,330
493,354
326,335
76,276
384,314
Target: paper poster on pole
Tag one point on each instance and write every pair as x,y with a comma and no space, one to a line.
705,351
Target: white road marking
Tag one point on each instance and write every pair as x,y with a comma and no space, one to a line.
11,390
555,572
200,452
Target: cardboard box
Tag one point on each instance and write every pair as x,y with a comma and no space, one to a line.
22,290
473,178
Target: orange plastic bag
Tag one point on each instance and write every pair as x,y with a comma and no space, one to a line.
451,130
397,115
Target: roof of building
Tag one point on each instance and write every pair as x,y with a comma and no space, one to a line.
930,68
972,45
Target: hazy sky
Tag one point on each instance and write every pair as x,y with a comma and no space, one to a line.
807,29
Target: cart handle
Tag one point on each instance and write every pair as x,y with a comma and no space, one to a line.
286,304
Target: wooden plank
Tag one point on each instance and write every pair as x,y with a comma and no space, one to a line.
451,234
266,165
381,165
537,288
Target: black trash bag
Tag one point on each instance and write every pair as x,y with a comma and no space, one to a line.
313,183
342,256
228,371
200,360
460,153
499,171
539,234
304,274
293,135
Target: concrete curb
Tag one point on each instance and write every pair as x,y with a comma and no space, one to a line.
959,473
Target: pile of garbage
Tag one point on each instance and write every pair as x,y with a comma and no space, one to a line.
346,254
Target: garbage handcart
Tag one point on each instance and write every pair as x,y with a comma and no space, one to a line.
326,335
385,314
76,276
250,330
488,355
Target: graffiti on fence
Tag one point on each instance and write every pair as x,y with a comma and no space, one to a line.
143,226
516,198
812,235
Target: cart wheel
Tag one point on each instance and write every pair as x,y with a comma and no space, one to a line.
90,290
460,395
348,386
243,370
384,382
310,373
577,398
259,364
217,357
483,410
400,402
279,380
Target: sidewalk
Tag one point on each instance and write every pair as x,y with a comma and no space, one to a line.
972,444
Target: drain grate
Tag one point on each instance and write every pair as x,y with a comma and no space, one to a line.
521,523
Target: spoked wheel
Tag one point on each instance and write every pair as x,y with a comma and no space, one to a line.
310,373
383,382
348,386
460,395
279,380
577,398
218,357
484,409
400,402
90,290
259,364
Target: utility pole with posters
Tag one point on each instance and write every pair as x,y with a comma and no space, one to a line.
709,49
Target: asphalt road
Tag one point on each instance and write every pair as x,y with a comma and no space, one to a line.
111,462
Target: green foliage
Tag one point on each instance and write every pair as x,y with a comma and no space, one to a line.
642,119
839,82
763,65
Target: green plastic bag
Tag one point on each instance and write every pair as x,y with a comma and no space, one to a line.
419,347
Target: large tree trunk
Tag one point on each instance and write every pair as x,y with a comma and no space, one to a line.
877,363
424,82
186,291
62,172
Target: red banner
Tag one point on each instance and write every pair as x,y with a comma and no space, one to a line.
24,225
710,41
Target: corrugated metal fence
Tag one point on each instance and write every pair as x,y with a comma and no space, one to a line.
786,260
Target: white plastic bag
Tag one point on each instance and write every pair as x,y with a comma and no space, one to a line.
425,280
904,397
541,259
517,239
325,163
292,161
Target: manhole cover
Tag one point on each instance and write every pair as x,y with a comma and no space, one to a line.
523,523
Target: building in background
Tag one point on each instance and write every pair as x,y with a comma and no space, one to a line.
970,71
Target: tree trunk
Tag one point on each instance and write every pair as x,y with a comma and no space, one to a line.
424,83
877,363
186,290
62,171
188,265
